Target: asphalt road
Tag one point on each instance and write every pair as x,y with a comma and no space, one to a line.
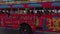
3,31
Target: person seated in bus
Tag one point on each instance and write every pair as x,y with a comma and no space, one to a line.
30,12
50,11
58,11
46,12
21,11
7,12
2,11
39,12
25,12
54,11
35,11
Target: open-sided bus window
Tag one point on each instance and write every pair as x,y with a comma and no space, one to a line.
2,11
35,11
58,11
5,11
21,11
14,11
54,11
30,11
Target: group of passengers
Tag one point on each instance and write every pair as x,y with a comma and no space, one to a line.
30,12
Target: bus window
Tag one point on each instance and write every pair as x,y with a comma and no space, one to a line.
24,11
58,11
21,12
46,12
2,11
35,11
52,11
7,12
39,12
55,11
43,11
14,11
30,12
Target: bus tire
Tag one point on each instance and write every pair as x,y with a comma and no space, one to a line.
25,29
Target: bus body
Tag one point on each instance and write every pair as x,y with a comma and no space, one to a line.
42,18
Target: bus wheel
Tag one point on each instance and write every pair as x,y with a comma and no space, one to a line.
25,29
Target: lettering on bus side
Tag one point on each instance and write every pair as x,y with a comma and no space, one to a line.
53,23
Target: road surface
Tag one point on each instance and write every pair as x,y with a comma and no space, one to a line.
2,31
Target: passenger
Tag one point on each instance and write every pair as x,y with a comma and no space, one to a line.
39,12
30,12
50,12
46,12
35,11
20,11
53,11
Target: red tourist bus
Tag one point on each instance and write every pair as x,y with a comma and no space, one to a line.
31,16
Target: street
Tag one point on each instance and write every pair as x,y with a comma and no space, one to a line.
2,31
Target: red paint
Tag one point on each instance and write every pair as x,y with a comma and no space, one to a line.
16,19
